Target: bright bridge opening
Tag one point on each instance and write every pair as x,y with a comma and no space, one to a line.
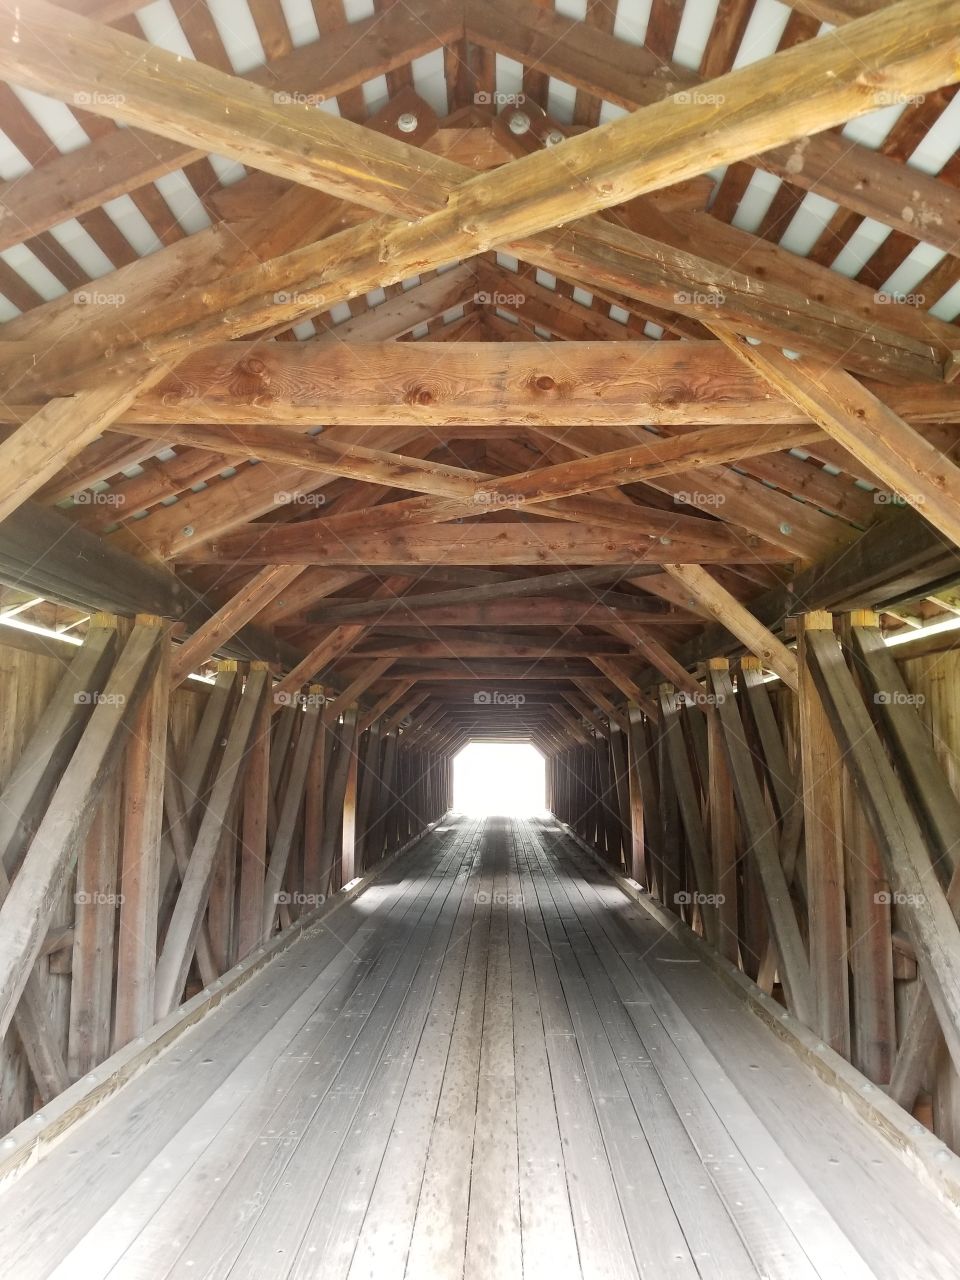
504,778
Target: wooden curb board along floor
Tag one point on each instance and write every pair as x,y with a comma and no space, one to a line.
490,1064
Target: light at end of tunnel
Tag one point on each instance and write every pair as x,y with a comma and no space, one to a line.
504,778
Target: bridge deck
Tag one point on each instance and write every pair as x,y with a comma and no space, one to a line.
489,1064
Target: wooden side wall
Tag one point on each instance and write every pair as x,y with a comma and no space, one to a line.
812,837
217,816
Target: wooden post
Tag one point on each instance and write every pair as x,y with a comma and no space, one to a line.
26,913
290,808
313,813
763,847
924,906
350,866
369,788
690,813
181,939
253,838
821,765
635,747
140,854
94,936
723,833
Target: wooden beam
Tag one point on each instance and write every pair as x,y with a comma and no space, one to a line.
739,621
636,747
25,915
23,802
330,648
125,159
505,543
852,415
230,617
762,846
910,47
466,644
49,438
690,814
253,832
821,773
472,492
900,553
722,831
587,583
181,939
628,75
540,611
762,104
939,810
383,704
924,907
43,551
145,767
357,687
290,810
549,384
47,753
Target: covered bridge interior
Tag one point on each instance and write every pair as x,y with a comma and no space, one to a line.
297,511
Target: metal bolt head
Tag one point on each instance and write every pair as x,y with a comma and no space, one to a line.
407,122
519,122
553,138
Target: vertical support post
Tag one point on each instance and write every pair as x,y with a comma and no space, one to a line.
636,747
145,768
369,789
349,827
874,1029
95,925
723,832
253,827
313,811
821,762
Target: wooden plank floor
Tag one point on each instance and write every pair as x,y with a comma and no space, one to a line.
491,1065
